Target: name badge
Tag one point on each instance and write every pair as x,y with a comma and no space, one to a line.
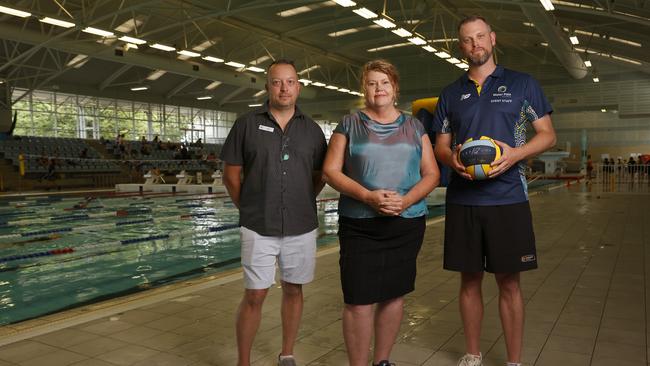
266,128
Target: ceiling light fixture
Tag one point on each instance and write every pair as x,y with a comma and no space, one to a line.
78,61
574,40
189,53
204,45
213,59
625,41
255,69
443,54
98,32
204,98
305,9
139,88
610,55
234,64
255,105
402,32
57,22
343,32
163,47
132,40
588,63
625,59
365,13
318,83
381,48
294,11
417,41
305,81
345,3
429,48
213,85
310,68
14,12
259,60
384,23
610,38
130,24
259,93
156,75
596,80
547,4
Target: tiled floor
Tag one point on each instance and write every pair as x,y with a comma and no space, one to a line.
586,305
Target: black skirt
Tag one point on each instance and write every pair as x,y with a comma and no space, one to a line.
378,257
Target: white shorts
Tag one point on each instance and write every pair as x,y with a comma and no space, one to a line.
296,257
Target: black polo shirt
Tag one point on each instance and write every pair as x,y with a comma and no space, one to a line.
277,196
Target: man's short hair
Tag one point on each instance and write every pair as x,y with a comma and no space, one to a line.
473,18
281,61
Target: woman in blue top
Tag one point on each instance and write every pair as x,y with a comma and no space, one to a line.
381,161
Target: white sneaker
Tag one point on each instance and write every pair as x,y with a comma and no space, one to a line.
471,360
286,361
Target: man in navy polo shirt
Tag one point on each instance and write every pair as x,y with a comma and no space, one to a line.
488,224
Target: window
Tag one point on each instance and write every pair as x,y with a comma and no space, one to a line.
45,113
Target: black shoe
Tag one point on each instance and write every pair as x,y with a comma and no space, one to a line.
384,363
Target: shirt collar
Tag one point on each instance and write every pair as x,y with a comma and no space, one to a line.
264,109
497,73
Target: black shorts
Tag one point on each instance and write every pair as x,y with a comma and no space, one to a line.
378,257
497,239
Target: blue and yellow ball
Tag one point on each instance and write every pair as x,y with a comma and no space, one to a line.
477,155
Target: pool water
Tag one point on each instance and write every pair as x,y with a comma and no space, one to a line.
56,254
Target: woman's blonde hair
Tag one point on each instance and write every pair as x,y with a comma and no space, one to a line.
383,67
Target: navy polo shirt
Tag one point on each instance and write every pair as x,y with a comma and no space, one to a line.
508,101
277,196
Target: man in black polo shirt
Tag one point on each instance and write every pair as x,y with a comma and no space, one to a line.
280,152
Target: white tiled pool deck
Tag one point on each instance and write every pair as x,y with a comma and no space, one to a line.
585,305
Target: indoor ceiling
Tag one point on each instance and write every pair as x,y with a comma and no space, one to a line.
328,40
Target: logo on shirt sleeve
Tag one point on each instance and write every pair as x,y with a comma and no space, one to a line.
464,96
445,126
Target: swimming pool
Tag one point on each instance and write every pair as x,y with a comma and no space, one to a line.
55,256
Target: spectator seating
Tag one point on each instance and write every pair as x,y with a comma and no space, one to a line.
66,151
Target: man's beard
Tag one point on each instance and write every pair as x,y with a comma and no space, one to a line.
480,60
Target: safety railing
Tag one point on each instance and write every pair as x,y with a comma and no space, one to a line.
633,178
